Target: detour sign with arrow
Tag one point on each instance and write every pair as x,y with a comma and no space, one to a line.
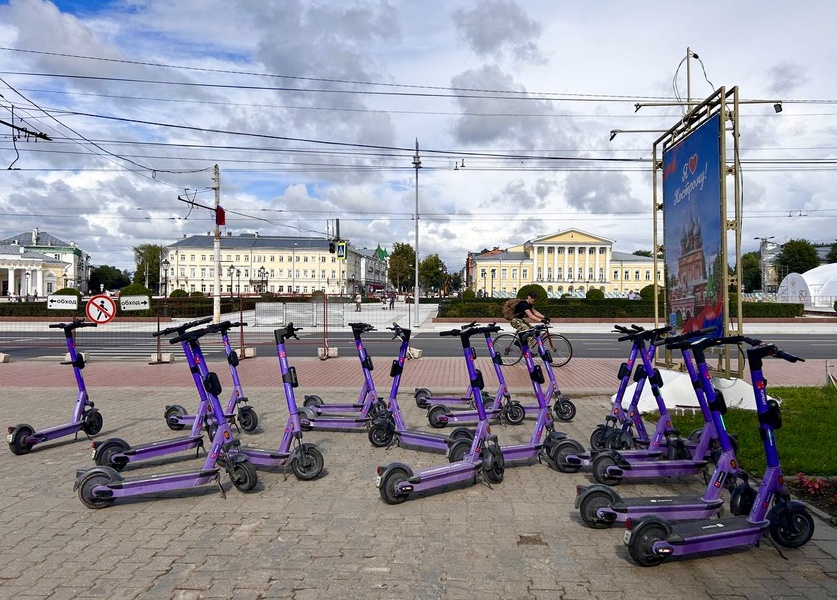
133,302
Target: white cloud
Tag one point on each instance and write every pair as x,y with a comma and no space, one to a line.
365,79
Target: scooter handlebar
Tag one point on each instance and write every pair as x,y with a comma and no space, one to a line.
72,325
787,356
450,332
280,335
182,328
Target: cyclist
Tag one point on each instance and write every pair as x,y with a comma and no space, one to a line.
525,309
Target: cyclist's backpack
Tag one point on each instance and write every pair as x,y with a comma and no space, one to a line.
508,308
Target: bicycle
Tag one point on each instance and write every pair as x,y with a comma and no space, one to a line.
507,347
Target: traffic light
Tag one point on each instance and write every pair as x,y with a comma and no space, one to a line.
331,247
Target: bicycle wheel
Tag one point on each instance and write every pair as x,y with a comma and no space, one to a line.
507,347
562,350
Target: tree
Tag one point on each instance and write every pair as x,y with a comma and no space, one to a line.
147,258
109,277
402,264
750,271
797,256
643,253
432,273
831,257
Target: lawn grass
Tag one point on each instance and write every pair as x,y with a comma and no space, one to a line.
807,441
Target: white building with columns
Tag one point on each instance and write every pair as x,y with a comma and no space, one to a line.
568,262
37,262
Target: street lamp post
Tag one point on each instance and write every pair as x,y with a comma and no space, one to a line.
493,273
484,275
166,265
238,285
231,272
293,270
262,274
28,275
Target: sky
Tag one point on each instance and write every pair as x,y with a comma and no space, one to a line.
312,111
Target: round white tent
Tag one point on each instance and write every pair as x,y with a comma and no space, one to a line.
815,289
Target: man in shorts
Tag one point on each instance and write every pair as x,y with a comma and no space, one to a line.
525,309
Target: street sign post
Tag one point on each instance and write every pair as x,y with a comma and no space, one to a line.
100,309
62,302
134,302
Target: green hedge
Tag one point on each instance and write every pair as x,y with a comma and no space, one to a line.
611,308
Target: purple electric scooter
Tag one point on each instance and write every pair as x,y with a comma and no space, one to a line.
665,442
318,415
503,407
117,453
539,445
238,411
389,428
769,509
305,460
397,481
601,506
22,438
100,486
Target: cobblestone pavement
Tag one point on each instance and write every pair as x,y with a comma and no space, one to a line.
334,537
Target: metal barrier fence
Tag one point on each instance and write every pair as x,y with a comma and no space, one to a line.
324,320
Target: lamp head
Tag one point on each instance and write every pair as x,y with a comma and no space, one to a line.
777,107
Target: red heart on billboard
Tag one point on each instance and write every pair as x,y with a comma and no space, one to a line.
693,163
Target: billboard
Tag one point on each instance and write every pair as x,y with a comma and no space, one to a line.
693,224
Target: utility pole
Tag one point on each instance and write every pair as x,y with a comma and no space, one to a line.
216,277
417,165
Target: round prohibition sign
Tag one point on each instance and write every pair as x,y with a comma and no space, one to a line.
100,309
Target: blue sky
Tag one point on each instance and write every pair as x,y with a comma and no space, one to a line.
312,109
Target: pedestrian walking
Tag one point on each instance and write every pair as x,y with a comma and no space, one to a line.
357,302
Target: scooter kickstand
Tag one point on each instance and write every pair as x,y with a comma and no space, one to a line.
220,487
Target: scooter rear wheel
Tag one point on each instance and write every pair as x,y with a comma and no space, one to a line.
389,486
107,450
308,465
92,422
243,475
642,541
459,451
591,503
462,433
561,452
19,445
434,414
422,394
248,420
85,490
600,465
175,410
313,400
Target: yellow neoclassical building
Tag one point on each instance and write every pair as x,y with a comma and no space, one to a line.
568,262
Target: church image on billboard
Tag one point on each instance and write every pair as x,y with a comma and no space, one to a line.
692,214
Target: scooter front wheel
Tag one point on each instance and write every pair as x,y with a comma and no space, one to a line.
794,531
248,420
462,433
514,413
92,422
381,433
494,465
459,451
597,438
642,543
308,465
564,410
19,444
243,475
85,490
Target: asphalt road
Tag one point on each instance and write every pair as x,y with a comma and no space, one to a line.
24,346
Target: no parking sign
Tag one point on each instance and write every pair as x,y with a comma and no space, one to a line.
100,309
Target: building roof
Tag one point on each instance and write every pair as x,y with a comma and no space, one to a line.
248,241
42,238
626,257
14,250
502,255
